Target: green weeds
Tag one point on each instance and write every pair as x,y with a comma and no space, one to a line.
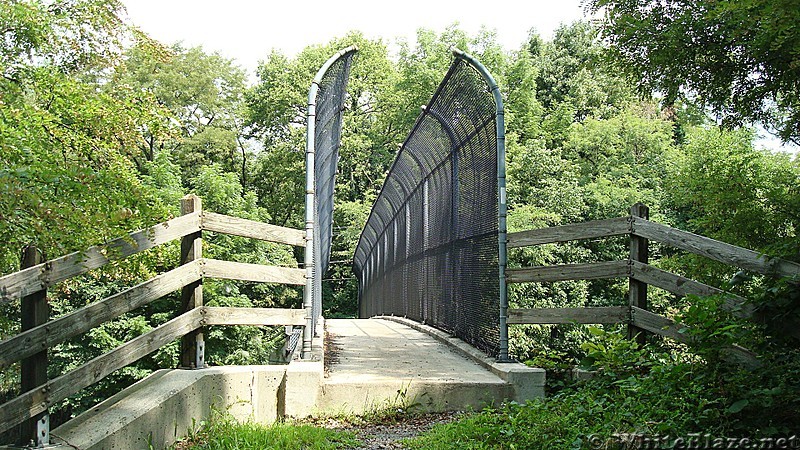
648,391
223,432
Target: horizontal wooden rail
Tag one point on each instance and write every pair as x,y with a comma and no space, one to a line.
79,321
217,315
587,230
38,400
41,276
663,326
716,250
599,314
229,270
683,286
221,223
676,284
658,324
564,272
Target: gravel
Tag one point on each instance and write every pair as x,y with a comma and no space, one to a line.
388,433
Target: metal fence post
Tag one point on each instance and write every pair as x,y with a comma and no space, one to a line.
502,230
192,345
637,290
34,312
308,260
502,205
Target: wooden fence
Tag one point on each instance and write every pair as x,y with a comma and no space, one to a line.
640,275
39,333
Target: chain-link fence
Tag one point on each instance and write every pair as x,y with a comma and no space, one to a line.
325,105
429,249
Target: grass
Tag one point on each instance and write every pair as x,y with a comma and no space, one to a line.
638,391
223,432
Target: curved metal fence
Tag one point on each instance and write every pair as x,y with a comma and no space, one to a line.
430,248
324,127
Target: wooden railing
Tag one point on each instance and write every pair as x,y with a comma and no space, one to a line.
640,275
39,333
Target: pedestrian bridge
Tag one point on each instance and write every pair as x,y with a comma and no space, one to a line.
431,265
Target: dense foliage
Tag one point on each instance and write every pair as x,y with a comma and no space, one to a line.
102,130
739,58
646,397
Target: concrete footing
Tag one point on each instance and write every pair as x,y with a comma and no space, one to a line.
170,404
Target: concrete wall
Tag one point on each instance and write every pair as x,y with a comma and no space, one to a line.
169,404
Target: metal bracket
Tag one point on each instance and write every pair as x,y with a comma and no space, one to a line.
200,354
43,431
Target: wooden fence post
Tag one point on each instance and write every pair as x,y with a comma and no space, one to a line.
192,344
34,311
637,290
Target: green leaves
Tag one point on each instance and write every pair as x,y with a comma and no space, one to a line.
202,115
726,189
737,406
739,58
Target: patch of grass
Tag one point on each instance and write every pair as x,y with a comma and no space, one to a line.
568,420
223,432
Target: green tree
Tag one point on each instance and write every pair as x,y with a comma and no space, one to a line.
572,73
64,132
203,99
278,106
724,188
622,160
738,57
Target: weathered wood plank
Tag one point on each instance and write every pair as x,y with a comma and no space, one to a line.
253,316
563,272
79,321
663,326
639,253
678,285
221,223
41,276
34,311
229,270
587,230
683,286
38,400
657,324
716,250
599,314
192,346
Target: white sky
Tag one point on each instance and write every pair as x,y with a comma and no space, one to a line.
247,30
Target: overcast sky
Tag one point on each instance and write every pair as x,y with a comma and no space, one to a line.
247,30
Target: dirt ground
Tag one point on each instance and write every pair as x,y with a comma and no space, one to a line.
388,433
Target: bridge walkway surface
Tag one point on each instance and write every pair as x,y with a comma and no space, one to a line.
391,362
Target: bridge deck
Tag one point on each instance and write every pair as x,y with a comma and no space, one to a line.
365,350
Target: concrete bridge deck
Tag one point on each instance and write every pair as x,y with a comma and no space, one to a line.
376,350
377,363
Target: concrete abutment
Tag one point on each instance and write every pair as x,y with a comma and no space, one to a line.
170,404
